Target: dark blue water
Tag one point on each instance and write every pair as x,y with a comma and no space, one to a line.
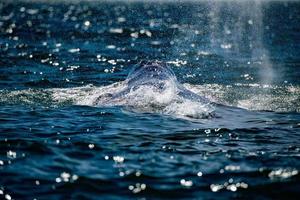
56,144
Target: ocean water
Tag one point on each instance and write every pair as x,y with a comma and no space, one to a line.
59,140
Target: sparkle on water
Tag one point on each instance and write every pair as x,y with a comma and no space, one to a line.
58,57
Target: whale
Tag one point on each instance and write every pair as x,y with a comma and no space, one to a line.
152,86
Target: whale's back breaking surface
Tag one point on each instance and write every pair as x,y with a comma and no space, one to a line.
153,73
153,87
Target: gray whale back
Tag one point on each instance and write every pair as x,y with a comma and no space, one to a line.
153,87
151,73
159,75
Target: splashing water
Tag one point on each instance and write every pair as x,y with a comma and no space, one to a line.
150,87
237,29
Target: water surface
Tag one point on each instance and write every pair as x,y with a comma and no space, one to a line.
55,57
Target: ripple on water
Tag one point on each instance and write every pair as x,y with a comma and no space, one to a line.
57,59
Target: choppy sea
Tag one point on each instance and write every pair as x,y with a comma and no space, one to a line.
56,144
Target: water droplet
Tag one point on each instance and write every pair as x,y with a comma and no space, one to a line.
199,174
118,159
74,50
186,183
87,23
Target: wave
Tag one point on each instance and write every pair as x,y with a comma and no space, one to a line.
146,99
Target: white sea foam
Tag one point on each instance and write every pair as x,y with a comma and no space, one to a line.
167,101
145,98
